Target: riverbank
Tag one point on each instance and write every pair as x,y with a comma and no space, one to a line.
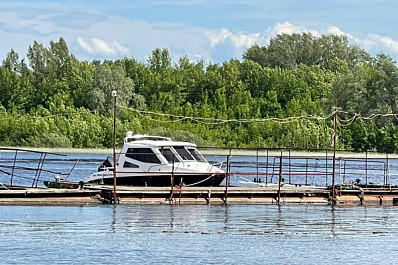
60,150
223,152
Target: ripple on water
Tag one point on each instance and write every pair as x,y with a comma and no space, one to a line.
197,234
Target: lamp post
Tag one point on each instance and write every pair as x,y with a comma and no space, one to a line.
334,153
114,93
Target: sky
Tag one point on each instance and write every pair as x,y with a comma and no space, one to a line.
211,30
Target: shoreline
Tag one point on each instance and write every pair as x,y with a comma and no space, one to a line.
60,150
219,151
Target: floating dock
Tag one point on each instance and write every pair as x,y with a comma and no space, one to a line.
92,195
267,177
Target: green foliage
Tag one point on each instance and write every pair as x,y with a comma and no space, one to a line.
288,51
55,100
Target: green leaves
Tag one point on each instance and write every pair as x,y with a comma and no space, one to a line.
56,100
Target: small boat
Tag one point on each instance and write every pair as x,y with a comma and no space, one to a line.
158,161
59,183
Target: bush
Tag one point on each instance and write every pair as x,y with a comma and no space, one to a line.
51,140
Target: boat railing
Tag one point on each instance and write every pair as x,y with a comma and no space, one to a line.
217,164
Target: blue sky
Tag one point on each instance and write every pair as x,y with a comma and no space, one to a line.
214,31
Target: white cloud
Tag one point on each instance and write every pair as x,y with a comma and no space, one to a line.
336,31
239,40
96,35
377,43
284,27
95,46
372,43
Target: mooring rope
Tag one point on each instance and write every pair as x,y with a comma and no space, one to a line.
4,186
193,184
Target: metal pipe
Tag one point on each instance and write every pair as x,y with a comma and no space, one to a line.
366,168
13,166
334,151
290,181
266,170
40,170
306,172
344,170
227,180
280,179
257,180
114,93
326,169
39,165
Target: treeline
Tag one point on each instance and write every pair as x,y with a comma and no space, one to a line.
53,99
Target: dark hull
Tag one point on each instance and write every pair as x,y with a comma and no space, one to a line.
165,180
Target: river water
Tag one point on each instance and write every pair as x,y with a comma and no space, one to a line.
198,234
191,234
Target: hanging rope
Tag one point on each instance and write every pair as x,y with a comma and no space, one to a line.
222,121
217,121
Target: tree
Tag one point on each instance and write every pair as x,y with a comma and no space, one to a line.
383,86
106,79
160,61
350,90
288,51
38,57
12,63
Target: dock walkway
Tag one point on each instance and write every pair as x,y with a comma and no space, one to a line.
100,194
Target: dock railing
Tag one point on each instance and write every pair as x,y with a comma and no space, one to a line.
28,166
264,167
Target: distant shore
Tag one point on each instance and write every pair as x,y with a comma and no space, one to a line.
221,152
63,150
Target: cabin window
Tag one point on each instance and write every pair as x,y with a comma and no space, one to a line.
195,153
129,165
185,155
145,155
168,154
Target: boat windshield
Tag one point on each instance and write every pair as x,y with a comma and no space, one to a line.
168,154
195,153
185,155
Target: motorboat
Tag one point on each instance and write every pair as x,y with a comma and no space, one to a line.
146,160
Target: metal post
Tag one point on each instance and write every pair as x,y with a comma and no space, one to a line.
257,178
13,166
366,169
172,180
306,172
280,179
344,170
266,171
388,172
290,179
327,170
334,151
227,180
40,170
114,93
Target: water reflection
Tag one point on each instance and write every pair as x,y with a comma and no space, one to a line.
226,217
193,234
114,219
279,217
333,219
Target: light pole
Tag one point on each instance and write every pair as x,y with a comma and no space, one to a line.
114,145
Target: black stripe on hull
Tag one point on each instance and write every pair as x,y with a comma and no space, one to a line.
164,180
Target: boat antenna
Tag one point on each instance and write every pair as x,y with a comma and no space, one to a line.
114,93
